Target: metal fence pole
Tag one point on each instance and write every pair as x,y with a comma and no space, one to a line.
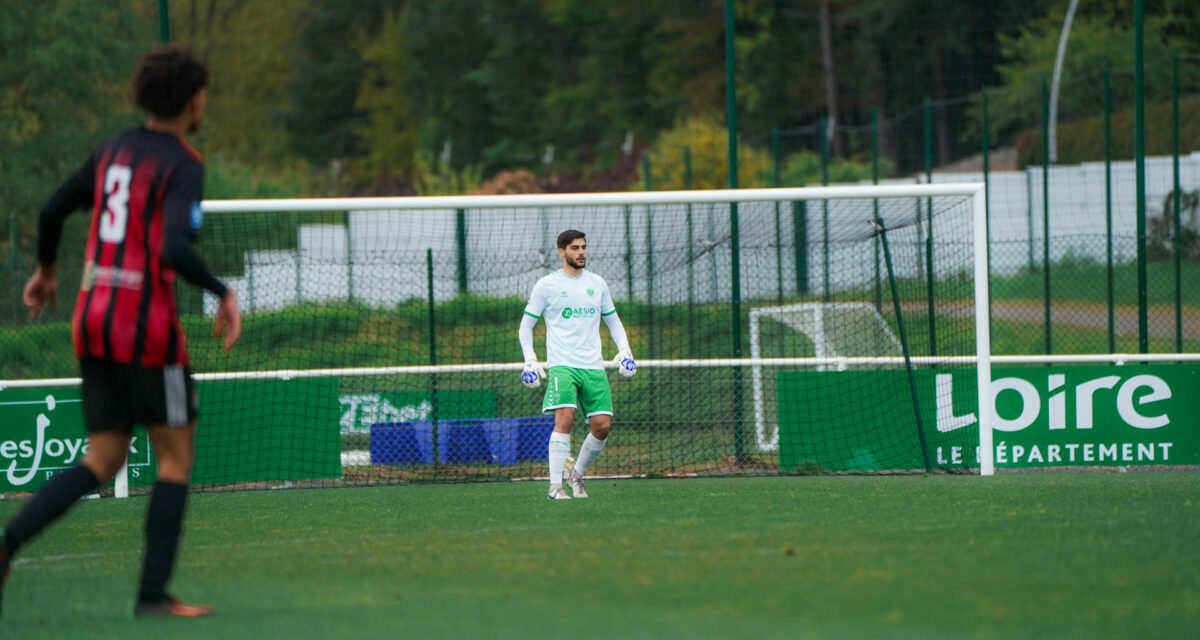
460,238
652,333
800,231
987,186
827,294
433,377
1139,159
1108,213
878,286
628,253
778,220
927,106
734,239
1046,213
1178,200
927,149
1029,217
691,244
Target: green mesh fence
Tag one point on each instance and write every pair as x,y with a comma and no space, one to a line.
375,338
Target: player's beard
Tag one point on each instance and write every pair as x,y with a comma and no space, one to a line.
577,263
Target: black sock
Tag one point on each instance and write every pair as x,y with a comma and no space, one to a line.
164,522
50,502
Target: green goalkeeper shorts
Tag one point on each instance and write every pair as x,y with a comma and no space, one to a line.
581,389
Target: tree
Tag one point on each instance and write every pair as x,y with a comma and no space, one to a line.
65,69
250,49
321,118
1097,39
389,132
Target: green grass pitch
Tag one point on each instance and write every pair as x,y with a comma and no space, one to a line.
1100,555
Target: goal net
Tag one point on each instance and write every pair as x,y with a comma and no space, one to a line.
776,331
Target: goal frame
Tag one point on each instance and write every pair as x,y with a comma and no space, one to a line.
973,190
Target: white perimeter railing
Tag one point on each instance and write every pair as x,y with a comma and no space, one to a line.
834,363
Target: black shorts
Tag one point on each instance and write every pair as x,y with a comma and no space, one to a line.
117,396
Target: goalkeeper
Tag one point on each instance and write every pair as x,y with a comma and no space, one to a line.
573,300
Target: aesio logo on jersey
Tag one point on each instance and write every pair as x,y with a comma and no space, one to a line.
579,312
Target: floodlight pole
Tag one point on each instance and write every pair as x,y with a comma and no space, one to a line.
1058,64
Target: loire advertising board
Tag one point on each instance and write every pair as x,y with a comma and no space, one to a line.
1042,417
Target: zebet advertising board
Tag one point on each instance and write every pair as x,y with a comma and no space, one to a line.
1042,417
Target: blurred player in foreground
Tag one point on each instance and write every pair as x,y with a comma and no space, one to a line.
143,187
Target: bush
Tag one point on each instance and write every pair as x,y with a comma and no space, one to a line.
707,140
1160,230
1083,140
804,168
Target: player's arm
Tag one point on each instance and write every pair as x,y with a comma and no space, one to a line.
624,361
533,372
182,216
73,194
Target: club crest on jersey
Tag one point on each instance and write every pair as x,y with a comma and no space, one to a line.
564,294
591,292
196,215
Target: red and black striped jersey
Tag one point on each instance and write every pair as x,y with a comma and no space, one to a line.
141,185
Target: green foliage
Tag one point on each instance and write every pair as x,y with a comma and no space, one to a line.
1029,56
434,178
64,77
388,134
250,49
1161,236
707,140
326,78
225,179
1088,283
1083,140
804,168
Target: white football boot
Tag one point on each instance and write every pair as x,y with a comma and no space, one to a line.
575,481
558,493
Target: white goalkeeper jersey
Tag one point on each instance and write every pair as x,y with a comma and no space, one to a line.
572,308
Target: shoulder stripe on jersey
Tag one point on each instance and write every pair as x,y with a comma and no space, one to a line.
609,313
531,315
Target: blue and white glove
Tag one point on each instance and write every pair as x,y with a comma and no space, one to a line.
532,375
625,363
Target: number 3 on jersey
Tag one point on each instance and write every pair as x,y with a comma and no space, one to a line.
116,205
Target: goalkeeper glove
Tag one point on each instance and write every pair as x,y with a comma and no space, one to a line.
625,363
532,375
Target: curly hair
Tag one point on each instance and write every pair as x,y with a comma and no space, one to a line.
166,79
